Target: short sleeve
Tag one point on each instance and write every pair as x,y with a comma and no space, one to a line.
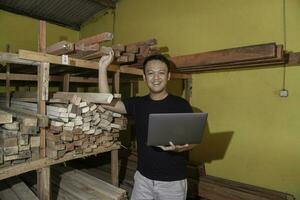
187,107
130,104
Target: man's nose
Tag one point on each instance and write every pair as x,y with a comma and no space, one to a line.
156,76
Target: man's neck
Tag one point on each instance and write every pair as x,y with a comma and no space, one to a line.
158,96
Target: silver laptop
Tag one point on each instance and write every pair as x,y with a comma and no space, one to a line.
180,128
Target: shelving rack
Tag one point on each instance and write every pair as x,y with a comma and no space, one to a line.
42,61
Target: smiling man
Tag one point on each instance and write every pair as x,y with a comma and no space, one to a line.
161,171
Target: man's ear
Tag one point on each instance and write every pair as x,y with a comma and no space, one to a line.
144,78
169,76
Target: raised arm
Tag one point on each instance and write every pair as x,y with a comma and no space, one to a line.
103,82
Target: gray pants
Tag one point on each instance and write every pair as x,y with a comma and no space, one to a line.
147,189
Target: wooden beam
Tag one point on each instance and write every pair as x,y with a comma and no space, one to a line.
114,153
41,57
14,59
7,85
43,175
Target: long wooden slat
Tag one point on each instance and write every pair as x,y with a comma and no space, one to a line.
20,189
6,193
14,59
31,77
253,52
104,98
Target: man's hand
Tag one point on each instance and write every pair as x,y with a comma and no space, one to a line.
176,148
106,59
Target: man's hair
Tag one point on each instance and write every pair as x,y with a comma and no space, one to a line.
159,57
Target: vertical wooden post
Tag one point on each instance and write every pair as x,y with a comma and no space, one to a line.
7,85
43,175
188,89
114,153
66,83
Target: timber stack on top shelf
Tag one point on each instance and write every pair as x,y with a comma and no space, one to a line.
268,54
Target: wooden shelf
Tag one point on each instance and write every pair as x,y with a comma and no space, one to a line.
15,170
34,58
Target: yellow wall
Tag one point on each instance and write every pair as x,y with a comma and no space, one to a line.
22,32
252,134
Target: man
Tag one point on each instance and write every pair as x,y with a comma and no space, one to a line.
161,171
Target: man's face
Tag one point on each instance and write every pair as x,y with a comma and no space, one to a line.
156,76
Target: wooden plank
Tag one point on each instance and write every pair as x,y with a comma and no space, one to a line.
247,53
102,37
59,48
103,98
36,56
14,58
6,193
20,189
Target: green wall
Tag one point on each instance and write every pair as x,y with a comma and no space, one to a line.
252,134
22,32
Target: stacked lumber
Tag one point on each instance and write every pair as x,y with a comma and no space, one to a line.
82,125
80,48
132,54
19,140
15,189
240,57
68,183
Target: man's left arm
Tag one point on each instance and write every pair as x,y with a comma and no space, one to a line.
178,148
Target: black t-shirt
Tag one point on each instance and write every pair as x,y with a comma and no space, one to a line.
153,162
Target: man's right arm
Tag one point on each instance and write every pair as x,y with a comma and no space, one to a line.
104,62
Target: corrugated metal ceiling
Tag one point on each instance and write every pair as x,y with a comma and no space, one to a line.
69,13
